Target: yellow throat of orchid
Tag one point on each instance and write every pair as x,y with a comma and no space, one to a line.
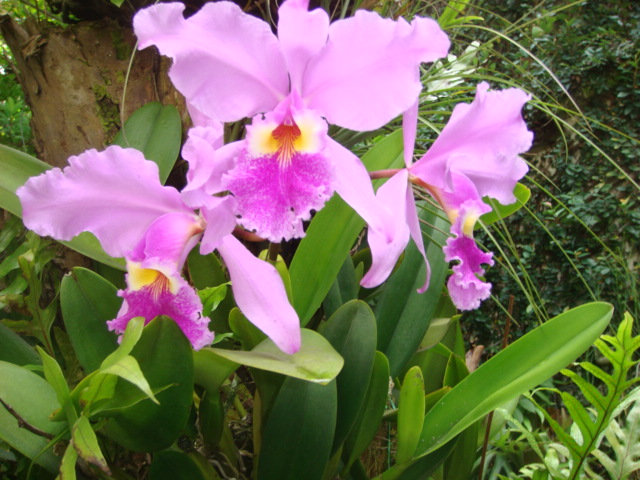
157,281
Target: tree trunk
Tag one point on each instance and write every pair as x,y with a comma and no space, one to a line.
74,78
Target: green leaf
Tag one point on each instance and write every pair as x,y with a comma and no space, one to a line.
410,408
352,332
211,418
403,314
165,358
68,465
172,465
53,375
344,288
331,235
33,399
14,349
316,361
130,338
129,369
368,422
87,301
156,131
299,432
86,444
521,366
500,211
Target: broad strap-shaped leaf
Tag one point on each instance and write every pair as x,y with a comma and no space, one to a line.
521,366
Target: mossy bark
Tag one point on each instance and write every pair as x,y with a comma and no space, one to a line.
74,79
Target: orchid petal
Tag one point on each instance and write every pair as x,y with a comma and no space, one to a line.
388,243
208,162
416,235
481,141
220,219
409,131
368,73
226,63
354,185
168,240
260,295
302,34
183,306
465,288
115,194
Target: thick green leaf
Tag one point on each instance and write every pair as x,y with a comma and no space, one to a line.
500,211
410,409
211,418
404,314
172,465
68,465
166,359
156,131
344,288
521,366
370,415
352,332
14,349
86,444
33,399
331,235
299,432
87,301
316,361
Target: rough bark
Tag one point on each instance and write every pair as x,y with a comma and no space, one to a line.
74,78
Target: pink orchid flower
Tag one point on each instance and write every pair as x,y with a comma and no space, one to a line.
475,155
358,73
117,195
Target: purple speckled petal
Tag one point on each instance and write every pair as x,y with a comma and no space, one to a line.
115,194
465,288
260,295
226,63
481,141
273,199
184,307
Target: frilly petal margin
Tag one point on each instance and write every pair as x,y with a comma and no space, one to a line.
184,307
220,54
369,71
481,141
467,291
115,194
260,295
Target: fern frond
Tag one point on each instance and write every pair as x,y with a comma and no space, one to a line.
625,442
592,424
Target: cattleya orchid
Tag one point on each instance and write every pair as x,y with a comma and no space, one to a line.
475,155
117,195
358,73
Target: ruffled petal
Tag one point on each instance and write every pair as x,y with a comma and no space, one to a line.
226,63
115,194
208,162
183,306
481,141
302,35
388,243
368,73
260,295
465,288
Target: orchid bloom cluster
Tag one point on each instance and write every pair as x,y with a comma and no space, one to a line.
358,73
